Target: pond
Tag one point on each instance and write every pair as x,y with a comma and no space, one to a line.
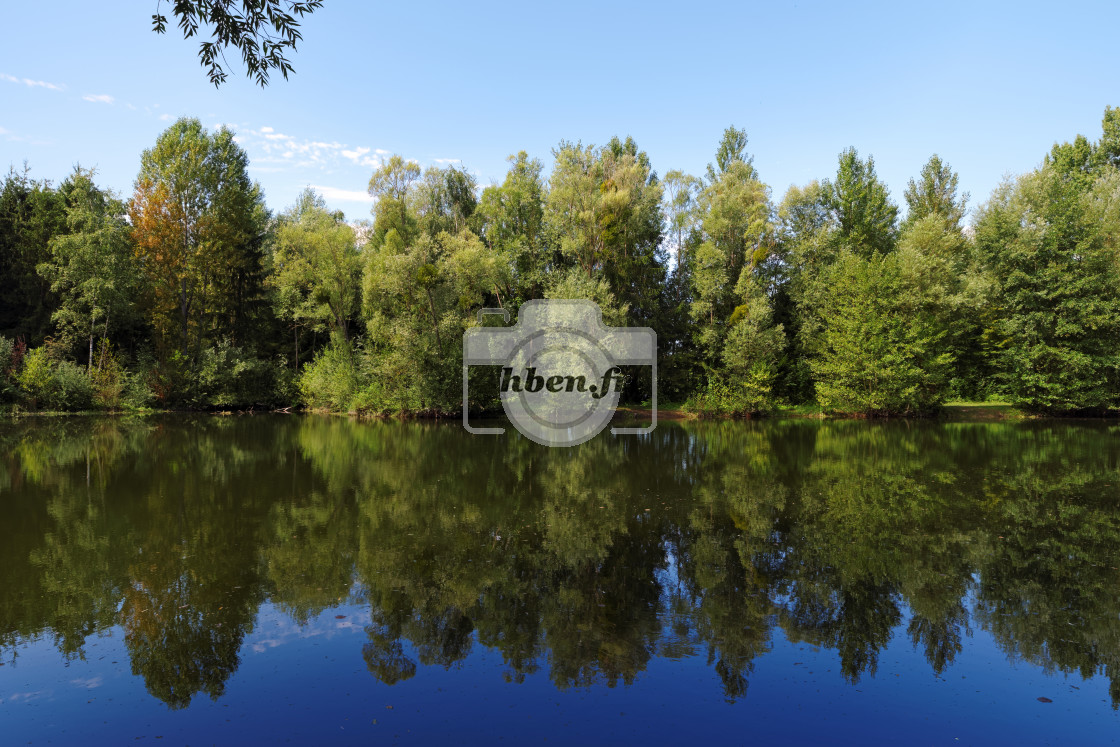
312,579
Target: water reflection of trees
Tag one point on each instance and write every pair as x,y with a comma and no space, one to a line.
708,539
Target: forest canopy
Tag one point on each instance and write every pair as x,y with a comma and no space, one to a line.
191,293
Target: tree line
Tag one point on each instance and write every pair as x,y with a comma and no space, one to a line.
191,293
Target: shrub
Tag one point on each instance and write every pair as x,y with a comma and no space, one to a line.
8,386
138,393
72,388
54,385
745,384
168,379
7,347
109,382
747,395
332,379
232,376
35,378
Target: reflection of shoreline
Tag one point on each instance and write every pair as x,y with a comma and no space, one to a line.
644,413
954,412
558,559
957,413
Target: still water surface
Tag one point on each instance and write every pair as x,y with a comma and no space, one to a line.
307,579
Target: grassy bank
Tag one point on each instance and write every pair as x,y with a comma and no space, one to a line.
956,411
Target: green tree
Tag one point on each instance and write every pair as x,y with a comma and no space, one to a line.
745,382
737,240
678,358
418,300
942,264
316,269
391,185
445,200
866,219
731,274
511,221
31,213
1108,148
680,190
732,149
805,227
820,226
937,266
882,349
198,227
1048,244
935,193
603,215
91,267
804,250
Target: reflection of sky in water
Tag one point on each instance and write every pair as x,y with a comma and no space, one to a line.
274,628
309,684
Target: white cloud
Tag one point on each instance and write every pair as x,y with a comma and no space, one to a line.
277,147
88,684
343,195
165,118
14,138
444,161
358,156
100,98
355,154
31,83
271,151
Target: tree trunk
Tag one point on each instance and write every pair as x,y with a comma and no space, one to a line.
89,363
435,322
183,311
104,343
343,326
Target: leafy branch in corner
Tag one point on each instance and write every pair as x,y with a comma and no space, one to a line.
263,30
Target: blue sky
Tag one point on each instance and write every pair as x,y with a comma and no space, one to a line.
988,87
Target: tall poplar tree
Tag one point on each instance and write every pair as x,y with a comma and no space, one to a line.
866,218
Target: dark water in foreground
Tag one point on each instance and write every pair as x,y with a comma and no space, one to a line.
272,578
